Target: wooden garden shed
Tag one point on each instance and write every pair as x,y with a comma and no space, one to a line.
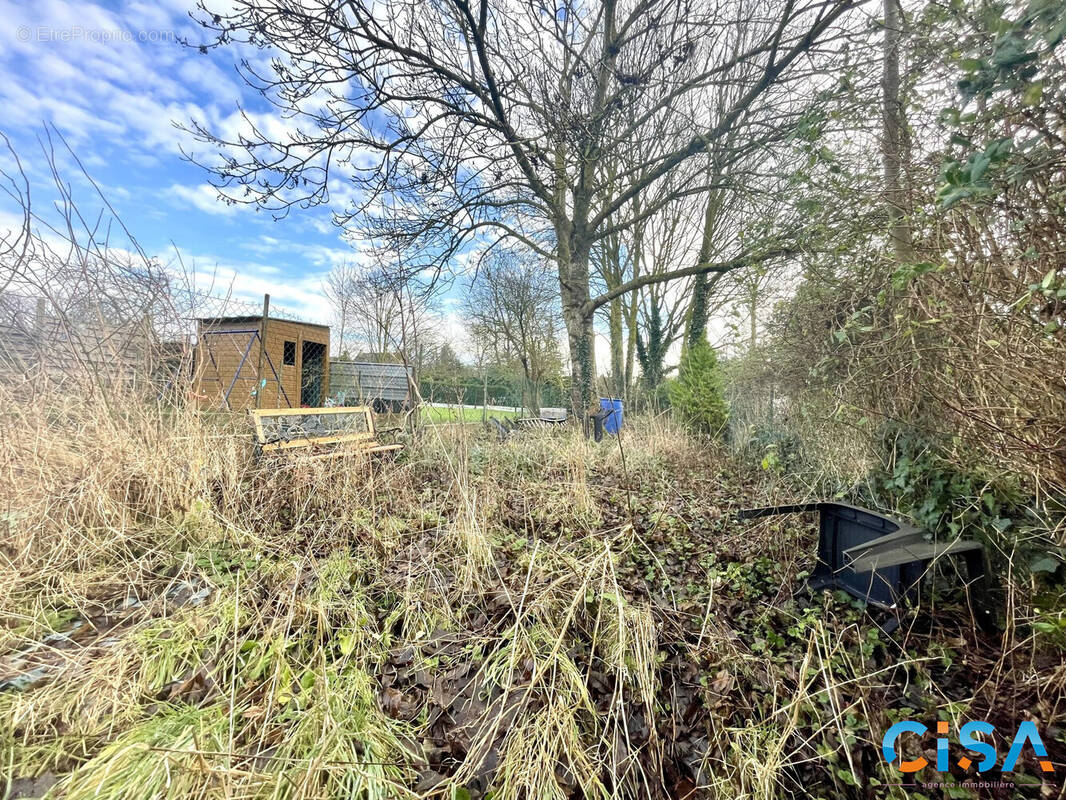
256,362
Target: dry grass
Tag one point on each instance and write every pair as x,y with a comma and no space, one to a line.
473,618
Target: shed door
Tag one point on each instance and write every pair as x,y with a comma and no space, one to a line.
312,373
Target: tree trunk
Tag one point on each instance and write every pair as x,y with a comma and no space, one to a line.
892,141
699,314
617,366
652,351
582,355
754,319
631,341
636,258
574,296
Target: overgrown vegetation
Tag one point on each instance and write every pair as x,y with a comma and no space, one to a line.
542,618
927,378
546,617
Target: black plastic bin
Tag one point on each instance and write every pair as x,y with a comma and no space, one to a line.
881,560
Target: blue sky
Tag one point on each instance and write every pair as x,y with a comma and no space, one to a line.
113,78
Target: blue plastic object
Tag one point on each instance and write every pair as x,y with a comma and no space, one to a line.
612,423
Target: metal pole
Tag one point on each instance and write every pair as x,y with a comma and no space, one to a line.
262,348
38,333
281,389
237,374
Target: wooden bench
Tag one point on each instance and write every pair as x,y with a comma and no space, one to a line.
324,431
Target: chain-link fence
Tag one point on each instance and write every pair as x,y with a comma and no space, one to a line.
138,335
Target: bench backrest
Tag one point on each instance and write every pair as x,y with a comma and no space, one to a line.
286,428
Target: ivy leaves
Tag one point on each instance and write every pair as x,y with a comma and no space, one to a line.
969,180
1013,63
1003,67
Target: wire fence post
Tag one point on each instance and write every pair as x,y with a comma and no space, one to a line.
38,332
262,349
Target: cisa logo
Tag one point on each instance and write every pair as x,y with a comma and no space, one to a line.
1026,734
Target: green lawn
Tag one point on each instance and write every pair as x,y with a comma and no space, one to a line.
436,415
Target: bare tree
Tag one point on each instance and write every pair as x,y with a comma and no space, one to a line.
482,350
383,314
376,318
513,309
752,292
342,289
476,122
661,309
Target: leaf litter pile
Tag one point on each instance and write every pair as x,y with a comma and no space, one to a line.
543,618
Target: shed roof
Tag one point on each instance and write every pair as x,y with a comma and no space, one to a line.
257,318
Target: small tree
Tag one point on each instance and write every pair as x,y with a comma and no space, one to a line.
697,395
513,308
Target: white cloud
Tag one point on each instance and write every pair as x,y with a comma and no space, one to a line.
207,77
121,73
117,97
203,197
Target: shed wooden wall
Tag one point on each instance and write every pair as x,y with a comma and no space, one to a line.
211,385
